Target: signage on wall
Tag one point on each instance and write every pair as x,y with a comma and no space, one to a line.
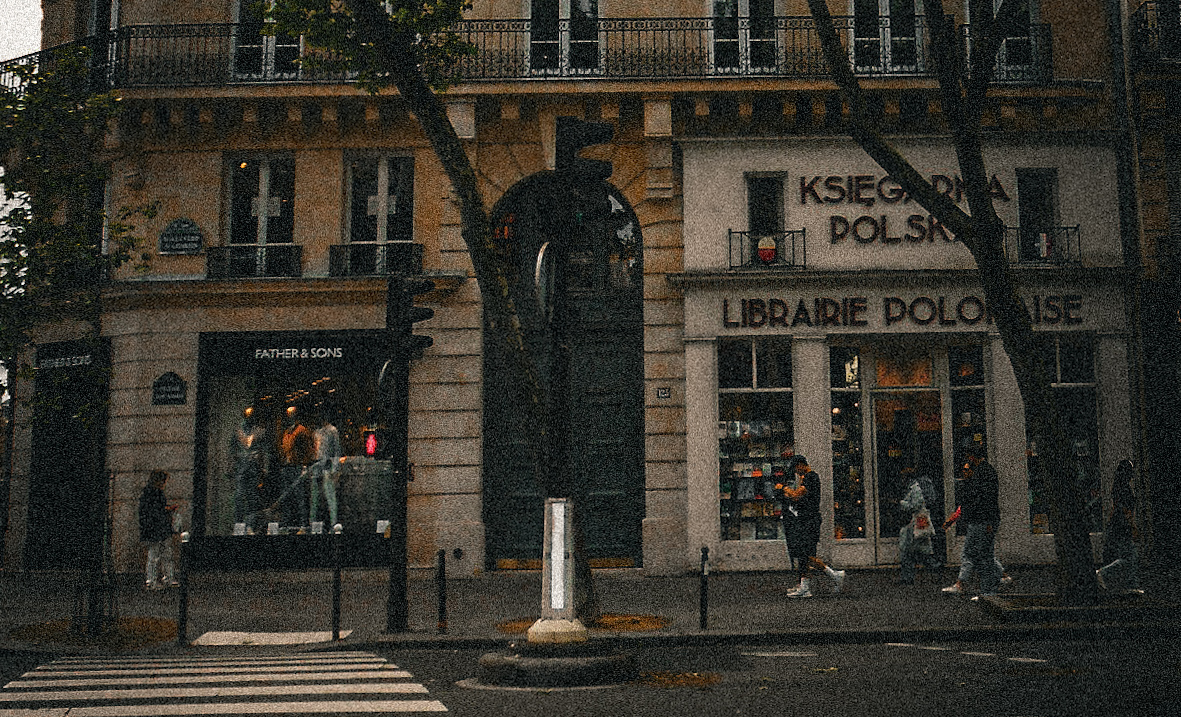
169,390
869,190
856,311
298,353
182,236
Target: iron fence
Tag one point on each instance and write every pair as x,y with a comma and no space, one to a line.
768,250
1043,245
518,49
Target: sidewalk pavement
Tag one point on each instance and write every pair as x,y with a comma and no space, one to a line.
742,607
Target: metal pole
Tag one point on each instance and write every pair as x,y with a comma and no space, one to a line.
441,584
703,608
336,560
182,618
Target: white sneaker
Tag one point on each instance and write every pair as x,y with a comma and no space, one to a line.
802,592
1006,581
838,579
954,589
794,592
1099,579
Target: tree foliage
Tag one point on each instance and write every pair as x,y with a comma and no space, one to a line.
964,84
58,246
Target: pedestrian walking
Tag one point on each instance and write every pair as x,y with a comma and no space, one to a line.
1120,571
802,521
981,512
915,539
155,531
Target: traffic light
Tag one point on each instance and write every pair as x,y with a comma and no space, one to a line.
402,314
573,135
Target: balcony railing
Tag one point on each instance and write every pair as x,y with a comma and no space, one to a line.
1156,33
1021,59
368,259
1043,245
762,250
220,54
238,261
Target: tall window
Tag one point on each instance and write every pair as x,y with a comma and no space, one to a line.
578,40
756,436
262,199
381,199
1076,395
885,35
260,55
1037,213
848,486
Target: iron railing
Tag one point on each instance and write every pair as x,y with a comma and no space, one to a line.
237,261
1156,33
220,54
370,258
1043,245
1022,59
768,250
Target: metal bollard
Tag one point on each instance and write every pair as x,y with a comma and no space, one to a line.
703,608
336,565
182,618
441,585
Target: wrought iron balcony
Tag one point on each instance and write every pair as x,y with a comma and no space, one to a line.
1043,245
1156,33
768,250
1022,59
368,259
237,261
220,54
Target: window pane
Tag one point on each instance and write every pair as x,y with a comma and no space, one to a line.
765,199
905,371
844,367
966,365
281,221
363,200
755,445
848,490
735,369
400,224
1076,357
244,202
774,362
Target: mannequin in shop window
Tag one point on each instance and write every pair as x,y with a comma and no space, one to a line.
326,469
297,450
802,520
248,453
916,538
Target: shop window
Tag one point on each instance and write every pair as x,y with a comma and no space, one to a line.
756,439
898,370
848,487
290,423
968,420
1076,395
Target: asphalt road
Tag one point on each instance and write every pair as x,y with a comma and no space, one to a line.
961,679
954,679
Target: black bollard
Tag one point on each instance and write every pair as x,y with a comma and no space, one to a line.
441,584
336,561
182,617
703,618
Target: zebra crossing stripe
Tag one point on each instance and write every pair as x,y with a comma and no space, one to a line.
237,708
347,683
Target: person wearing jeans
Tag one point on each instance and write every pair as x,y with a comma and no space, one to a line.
981,513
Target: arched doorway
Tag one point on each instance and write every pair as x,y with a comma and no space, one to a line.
606,400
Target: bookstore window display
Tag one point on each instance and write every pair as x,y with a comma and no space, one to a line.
756,439
848,487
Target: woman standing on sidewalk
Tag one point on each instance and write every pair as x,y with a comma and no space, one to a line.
802,528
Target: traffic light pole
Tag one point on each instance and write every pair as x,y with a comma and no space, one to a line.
397,421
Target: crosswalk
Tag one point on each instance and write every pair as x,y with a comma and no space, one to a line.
325,683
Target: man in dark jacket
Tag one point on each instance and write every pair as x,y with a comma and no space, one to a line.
802,519
155,530
981,513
